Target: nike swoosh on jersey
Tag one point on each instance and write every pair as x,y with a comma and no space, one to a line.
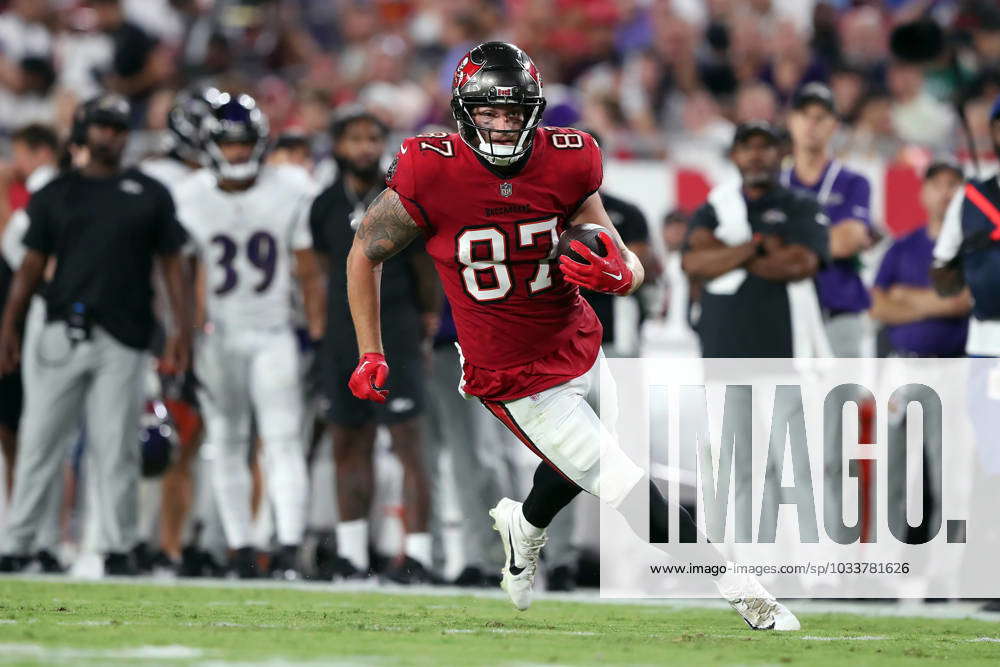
512,568
616,277
402,148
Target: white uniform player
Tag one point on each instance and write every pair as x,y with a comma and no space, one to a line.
201,539
249,239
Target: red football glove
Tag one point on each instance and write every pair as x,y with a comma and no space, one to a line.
602,274
368,379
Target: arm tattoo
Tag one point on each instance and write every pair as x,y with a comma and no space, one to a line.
386,228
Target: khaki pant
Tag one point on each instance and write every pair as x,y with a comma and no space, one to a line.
98,381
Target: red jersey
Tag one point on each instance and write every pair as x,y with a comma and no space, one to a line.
521,327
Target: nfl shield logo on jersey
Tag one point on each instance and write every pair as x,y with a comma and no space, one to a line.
506,189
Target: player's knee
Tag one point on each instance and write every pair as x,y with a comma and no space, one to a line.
407,443
410,457
352,444
619,476
279,449
220,454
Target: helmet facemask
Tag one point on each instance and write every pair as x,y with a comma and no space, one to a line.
482,139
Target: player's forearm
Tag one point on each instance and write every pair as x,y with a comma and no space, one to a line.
848,238
890,311
363,283
785,264
949,306
313,298
638,272
177,292
198,282
709,263
312,283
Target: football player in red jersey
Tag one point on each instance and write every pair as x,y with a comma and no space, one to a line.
491,201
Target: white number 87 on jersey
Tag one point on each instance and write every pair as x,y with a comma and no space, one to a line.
486,275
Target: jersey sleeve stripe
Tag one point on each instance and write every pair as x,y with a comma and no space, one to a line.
416,212
576,206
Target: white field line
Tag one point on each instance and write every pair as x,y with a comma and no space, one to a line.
172,652
517,631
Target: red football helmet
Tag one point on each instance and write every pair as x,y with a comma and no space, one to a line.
494,74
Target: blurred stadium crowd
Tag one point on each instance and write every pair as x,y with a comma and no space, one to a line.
659,80
654,78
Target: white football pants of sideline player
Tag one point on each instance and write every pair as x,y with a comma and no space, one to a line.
244,375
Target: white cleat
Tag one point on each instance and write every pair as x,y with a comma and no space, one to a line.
757,607
521,551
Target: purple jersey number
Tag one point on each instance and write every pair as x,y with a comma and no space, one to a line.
262,251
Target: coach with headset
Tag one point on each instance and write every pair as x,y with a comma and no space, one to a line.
103,225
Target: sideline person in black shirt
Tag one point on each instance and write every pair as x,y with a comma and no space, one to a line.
750,246
410,306
103,225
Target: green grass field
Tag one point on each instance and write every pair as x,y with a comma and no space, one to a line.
50,622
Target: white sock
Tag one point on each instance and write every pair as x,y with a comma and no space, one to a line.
418,547
352,542
529,529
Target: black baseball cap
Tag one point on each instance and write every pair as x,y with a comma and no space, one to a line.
347,115
945,164
292,139
756,127
105,109
814,93
108,109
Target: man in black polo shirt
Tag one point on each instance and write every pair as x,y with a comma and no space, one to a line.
103,225
410,307
754,245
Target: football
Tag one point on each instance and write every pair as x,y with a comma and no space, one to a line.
585,234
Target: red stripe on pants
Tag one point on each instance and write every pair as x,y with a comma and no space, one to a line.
501,412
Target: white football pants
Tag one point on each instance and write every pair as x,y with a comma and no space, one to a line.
254,375
561,425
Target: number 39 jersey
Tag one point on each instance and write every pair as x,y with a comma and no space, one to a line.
522,328
245,242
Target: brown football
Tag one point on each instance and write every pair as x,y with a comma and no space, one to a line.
585,234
